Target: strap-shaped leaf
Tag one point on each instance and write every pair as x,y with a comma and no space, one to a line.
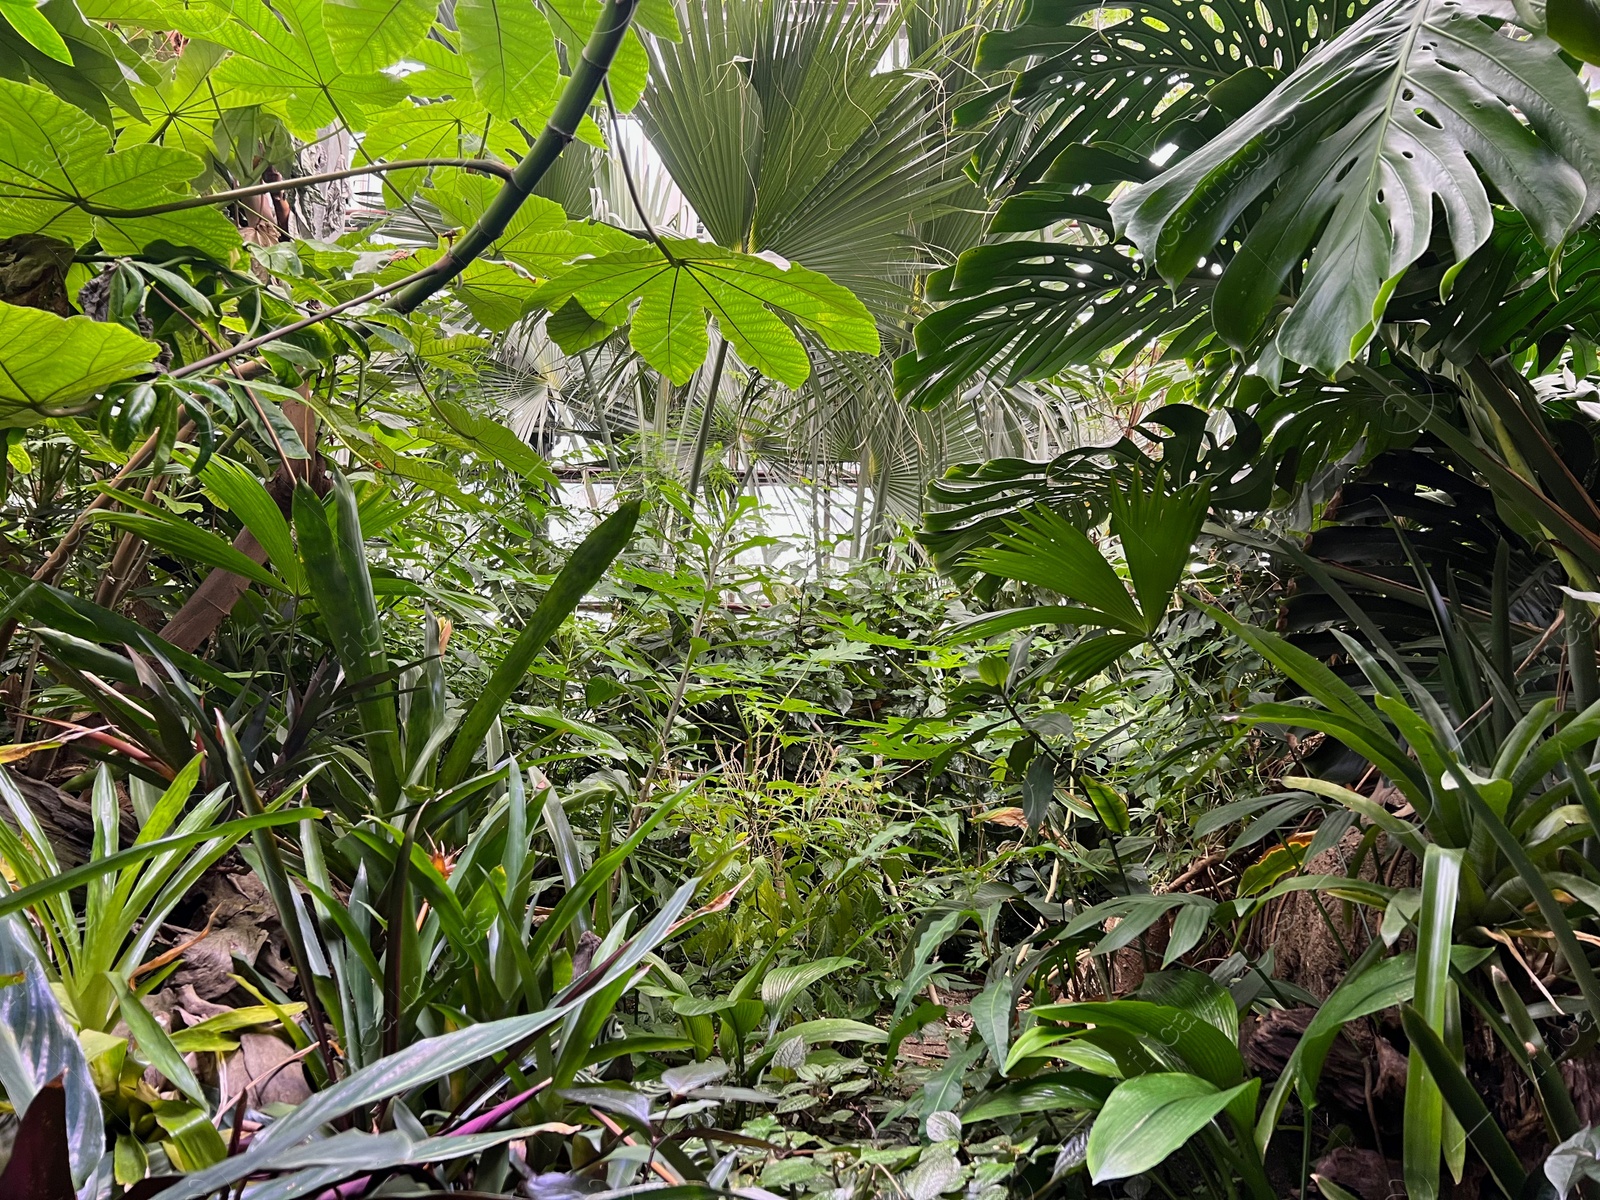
1401,112
192,542
37,1044
583,570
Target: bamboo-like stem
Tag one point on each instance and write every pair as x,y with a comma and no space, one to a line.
587,75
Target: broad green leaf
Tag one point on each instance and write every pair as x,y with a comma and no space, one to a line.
538,237
195,543
511,54
24,16
573,22
54,158
282,56
182,110
447,129
1177,1038
991,1017
493,440
1194,992
155,1045
783,985
1043,1093
38,1044
745,294
1575,24
49,362
1150,1117
1424,1110
1395,117
1045,549
99,72
368,35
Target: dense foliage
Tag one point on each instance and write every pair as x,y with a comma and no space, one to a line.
813,599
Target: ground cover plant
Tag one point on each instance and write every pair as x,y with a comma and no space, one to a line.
831,599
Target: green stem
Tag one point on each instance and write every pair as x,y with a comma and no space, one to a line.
587,76
705,421
289,185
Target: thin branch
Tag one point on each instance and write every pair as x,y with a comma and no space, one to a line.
261,189
633,192
255,343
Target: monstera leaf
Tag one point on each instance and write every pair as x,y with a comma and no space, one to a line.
676,284
1415,105
1138,76
1026,309
49,362
55,162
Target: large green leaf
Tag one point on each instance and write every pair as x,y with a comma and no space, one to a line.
1048,551
745,293
282,56
24,16
54,159
38,1044
368,35
511,53
1398,114
1424,1111
811,149
1149,1117
1135,75
48,362
1025,309
97,75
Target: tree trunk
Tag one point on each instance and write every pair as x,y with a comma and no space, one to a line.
214,599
